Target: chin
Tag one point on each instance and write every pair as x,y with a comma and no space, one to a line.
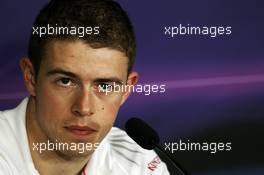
75,154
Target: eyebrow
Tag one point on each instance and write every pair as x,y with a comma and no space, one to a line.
61,71
110,79
73,75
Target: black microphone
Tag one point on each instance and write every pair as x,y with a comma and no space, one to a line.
148,138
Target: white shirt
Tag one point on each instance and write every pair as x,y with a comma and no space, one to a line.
117,154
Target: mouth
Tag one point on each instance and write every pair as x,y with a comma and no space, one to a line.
80,131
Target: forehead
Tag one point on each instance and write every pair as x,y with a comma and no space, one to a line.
83,60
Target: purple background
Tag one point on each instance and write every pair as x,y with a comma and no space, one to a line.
214,85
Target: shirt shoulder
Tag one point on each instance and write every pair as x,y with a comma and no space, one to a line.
14,151
132,158
9,151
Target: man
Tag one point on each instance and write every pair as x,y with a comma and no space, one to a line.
77,50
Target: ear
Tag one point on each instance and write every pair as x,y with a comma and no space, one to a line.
131,81
28,75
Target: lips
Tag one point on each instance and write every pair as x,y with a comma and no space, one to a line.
80,130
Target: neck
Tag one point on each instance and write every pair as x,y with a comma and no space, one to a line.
49,162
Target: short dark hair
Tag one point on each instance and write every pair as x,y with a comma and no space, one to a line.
116,30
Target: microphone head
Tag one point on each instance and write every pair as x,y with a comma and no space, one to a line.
142,133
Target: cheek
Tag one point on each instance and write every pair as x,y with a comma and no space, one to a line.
51,107
108,112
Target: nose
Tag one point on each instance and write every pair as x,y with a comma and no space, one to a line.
83,104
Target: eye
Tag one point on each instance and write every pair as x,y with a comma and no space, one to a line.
105,87
65,82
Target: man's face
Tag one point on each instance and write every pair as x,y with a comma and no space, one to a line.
69,106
